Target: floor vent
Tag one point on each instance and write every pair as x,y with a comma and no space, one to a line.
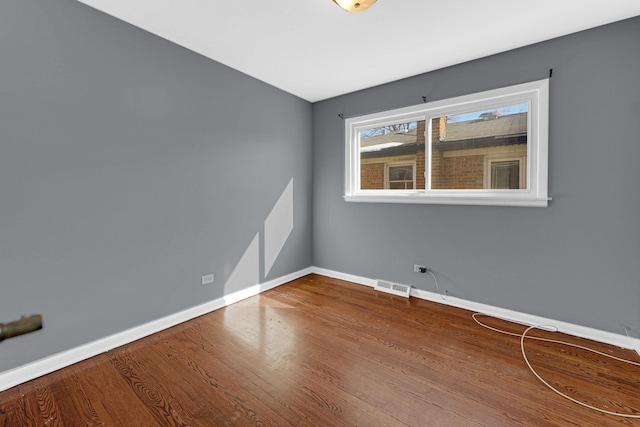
393,288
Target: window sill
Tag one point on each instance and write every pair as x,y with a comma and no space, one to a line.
479,200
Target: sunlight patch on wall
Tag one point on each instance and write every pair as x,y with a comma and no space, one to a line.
277,227
247,270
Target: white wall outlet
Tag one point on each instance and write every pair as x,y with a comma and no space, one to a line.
205,280
419,268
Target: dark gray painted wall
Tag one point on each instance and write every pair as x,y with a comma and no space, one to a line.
129,167
576,260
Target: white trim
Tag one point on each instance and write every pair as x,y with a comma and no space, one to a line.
38,368
477,199
344,276
618,340
536,93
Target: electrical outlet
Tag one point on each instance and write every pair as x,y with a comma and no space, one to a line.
419,268
205,280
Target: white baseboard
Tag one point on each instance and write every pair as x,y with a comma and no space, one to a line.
511,315
38,368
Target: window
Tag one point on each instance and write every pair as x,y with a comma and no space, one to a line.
400,176
488,148
505,174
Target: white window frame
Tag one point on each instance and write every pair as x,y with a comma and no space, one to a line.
393,164
535,93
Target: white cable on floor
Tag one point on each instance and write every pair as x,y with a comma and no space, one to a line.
524,355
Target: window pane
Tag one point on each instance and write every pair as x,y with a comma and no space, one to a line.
400,186
461,145
400,177
505,175
396,143
400,173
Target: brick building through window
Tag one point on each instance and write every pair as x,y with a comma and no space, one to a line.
486,151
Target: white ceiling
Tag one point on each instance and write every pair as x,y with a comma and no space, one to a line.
315,50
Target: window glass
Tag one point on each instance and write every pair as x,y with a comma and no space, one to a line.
400,177
505,175
460,144
386,145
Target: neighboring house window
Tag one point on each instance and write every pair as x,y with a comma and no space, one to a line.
505,173
400,176
488,148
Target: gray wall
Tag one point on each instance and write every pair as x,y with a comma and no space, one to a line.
577,260
129,167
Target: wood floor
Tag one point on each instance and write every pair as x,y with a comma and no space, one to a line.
323,352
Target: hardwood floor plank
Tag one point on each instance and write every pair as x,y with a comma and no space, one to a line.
384,347
437,368
227,365
324,352
295,384
16,409
154,396
43,410
111,398
386,365
203,383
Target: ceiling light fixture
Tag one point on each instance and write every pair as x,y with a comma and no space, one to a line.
354,5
